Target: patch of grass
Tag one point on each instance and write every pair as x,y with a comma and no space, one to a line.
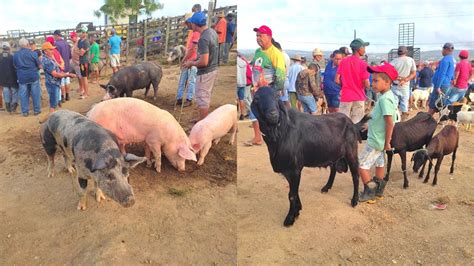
176,192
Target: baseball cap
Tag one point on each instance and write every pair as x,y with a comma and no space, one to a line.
384,68
358,43
50,39
72,34
317,51
402,49
5,45
57,33
448,45
464,53
187,16
198,18
47,46
83,28
263,30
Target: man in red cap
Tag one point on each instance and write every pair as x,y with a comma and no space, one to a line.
379,132
270,59
462,74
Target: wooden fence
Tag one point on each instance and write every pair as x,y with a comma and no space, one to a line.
150,37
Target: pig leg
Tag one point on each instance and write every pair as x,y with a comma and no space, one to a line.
98,193
82,193
155,88
216,141
156,149
68,162
122,148
149,162
234,131
204,152
147,89
51,165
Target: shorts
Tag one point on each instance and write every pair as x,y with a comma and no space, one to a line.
308,103
334,100
354,110
204,85
65,81
241,93
370,157
95,67
115,60
77,70
84,69
293,97
402,96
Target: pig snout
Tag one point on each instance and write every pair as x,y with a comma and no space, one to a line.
129,201
106,97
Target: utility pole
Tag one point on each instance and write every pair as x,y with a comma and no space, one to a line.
355,34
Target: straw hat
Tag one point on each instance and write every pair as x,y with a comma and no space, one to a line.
296,57
317,51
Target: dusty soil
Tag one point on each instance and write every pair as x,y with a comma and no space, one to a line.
178,217
400,229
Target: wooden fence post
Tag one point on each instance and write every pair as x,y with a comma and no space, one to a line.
145,39
168,24
128,40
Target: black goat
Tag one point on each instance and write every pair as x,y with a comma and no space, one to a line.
296,140
407,136
443,143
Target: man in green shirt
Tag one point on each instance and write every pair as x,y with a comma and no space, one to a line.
94,51
379,133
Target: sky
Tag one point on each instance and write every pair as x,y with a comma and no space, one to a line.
305,25
43,15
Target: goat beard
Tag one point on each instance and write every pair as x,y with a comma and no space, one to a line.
270,132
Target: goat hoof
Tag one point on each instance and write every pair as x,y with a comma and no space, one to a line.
289,220
426,181
325,189
354,202
434,184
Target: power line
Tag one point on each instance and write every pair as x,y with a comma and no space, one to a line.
336,19
373,44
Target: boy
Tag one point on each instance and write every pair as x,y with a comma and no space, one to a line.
379,132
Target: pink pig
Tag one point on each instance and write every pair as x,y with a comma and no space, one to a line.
212,128
133,120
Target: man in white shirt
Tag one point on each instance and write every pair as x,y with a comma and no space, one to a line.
406,69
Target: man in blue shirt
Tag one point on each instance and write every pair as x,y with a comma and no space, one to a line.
442,76
27,66
332,91
229,39
114,43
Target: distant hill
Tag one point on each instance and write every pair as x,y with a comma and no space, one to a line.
434,55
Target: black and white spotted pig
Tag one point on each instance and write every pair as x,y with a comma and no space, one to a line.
91,153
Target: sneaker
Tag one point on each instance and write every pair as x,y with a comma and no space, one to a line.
241,117
188,103
179,102
368,195
25,114
380,186
37,113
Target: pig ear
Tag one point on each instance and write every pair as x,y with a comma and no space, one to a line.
134,160
187,154
103,86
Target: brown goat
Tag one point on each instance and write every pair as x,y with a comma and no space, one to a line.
444,143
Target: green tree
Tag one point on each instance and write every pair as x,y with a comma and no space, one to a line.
116,9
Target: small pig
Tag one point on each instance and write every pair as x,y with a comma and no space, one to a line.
212,128
133,120
131,78
95,154
178,52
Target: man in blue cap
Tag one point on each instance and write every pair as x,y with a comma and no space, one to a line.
206,62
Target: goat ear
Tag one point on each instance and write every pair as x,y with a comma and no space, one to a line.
282,108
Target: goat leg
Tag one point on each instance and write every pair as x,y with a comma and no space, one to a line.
355,182
328,185
293,178
438,164
403,157
428,174
452,162
389,164
422,170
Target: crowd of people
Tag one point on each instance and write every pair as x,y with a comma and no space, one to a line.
347,84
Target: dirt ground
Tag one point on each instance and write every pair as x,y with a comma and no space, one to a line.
178,217
400,229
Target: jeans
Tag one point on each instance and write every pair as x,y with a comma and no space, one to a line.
309,103
225,56
10,94
53,91
454,95
190,76
247,97
32,89
402,96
